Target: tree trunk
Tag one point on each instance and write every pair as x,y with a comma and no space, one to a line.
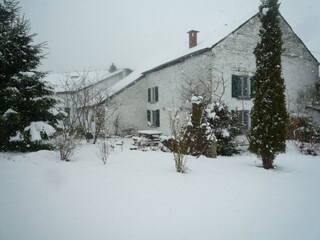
267,162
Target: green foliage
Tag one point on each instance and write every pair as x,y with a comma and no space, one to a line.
226,127
22,146
269,116
24,97
79,131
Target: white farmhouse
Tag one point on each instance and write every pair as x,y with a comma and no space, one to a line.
224,64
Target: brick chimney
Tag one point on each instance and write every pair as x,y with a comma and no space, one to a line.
192,38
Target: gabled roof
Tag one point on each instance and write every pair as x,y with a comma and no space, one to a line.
179,55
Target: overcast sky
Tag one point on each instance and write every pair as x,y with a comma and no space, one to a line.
91,34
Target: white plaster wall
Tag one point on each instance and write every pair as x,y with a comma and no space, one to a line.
134,100
299,68
169,81
130,108
235,55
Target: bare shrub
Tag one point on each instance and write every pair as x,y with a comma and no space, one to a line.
104,150
66,145
179,140
104,146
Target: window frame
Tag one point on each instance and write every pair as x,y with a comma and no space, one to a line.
153,118
241,87
153,94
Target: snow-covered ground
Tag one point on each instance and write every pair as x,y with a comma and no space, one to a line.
138,195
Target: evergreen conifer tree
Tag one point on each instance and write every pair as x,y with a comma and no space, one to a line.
112,68
269,115
27,112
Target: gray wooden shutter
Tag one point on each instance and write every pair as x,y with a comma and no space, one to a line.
235,86
148,115
156,94
157,118
149,94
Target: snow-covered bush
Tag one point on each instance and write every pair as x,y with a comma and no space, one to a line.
225,127
306,136
309,148
211,130
195,136
34,137
199,132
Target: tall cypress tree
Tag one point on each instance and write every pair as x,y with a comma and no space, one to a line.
269,115
26,106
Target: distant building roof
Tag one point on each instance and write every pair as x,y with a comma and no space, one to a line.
80,80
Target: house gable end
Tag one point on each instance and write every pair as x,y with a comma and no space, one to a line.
290,36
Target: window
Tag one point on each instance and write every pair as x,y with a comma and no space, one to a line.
153,95
153,118
244,118
241,87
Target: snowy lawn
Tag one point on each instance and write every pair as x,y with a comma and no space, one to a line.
138,195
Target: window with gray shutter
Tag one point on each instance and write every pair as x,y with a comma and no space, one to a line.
154,118
235,86
241,87
153,94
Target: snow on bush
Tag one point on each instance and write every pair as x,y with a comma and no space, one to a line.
8,112
37,129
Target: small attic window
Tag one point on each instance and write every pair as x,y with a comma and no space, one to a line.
74,77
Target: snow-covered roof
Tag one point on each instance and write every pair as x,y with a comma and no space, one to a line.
173,55
81,79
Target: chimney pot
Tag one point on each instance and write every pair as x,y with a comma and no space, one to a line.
192,38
